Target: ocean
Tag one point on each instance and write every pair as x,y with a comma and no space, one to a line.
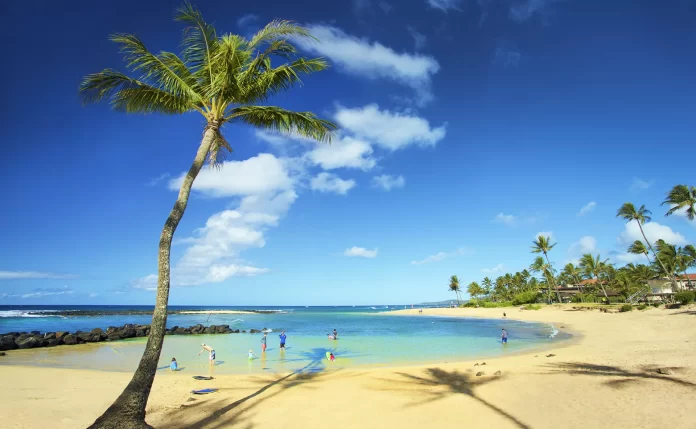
368,335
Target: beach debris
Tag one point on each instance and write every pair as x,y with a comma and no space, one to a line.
562,327
483,363
476,364
550,355
190,399
498,373
480,373
664,371
536,355
2,353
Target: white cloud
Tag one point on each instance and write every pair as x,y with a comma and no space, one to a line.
506,54
682,214
16,275
497,269
587,208
387,182
419,40
247,20
360,252
445,5
261,174
653,231
347,152
93,295
40,293
526,9
443,255
506,219
638,184
586,244
390,130
628,258
327,182
148,282
372,59
158,179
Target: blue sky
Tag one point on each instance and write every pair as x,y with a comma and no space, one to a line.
467,127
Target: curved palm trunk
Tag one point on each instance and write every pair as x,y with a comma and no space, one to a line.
128,411
670,275
558,295
604,291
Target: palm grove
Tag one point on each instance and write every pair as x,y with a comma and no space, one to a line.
539,281
227,79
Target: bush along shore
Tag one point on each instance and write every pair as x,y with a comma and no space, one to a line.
34,339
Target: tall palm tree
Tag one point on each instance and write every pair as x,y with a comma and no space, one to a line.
637,248
542,267
682,197
629,213
454,287
474,289
593,268
543,245
573,273
222,78
487,284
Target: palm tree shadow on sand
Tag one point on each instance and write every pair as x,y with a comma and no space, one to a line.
454,382
224,414
622,378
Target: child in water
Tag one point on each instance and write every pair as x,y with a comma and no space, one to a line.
174,366
330,356
251,354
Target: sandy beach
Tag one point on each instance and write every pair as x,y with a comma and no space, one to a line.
606,377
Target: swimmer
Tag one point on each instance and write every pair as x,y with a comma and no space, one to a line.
331,337
173,366
504,336
211,353
335,334
251,354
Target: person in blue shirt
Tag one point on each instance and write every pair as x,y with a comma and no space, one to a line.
504,336
282,340
174,366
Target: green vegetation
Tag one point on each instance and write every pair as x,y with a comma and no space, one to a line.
228,79
684,297
596,279
532,307
642,306
454,287
626,307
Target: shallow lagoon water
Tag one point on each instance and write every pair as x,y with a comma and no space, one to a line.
365,338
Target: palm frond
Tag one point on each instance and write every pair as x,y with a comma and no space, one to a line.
272,118
200,43
277,29
681,197
130,95
262,85
156,68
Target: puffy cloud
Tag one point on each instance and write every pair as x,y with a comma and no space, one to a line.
347,152
360,252
443,255
387,182
653,231
544,234
638,184
327,182
15,275
586,244
506,219
157,180
389,130
587,208
495,270
372,60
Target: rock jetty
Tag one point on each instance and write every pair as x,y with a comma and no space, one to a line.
34,339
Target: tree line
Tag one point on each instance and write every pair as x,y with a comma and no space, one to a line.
662,260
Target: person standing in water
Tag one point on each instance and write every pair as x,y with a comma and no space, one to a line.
282,337
335,334
263,343
211,353
504,336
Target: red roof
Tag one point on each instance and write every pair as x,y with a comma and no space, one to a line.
689,276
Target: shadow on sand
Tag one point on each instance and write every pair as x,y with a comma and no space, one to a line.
454,383
624,377
224,414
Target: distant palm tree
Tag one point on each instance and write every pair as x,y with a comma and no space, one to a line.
682,197
593,268
487,284
474,289
572,272
637,248
629,213
542,267
543,245
640,273
454,287
227,79
688,255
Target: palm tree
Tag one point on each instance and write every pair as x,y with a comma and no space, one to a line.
542,267
487,286
629,213
222,78
688,255
454,287
543,245
682,197
637,248
474,289
593,268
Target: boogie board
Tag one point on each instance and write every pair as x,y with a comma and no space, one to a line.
203,391
200,377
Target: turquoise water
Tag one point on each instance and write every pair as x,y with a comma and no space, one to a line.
366,337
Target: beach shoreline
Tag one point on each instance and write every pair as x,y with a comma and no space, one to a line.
606,377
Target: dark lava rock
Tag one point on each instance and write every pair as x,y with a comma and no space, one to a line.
127,332
222,329
498,373
2,353
253,331
69,339
97,331
139,333
181,331
7,342
236,331
209,330
49,336
35,333
111,330
550,355
28,343
61,334
480,373
52,343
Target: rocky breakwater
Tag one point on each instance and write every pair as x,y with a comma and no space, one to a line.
34,339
